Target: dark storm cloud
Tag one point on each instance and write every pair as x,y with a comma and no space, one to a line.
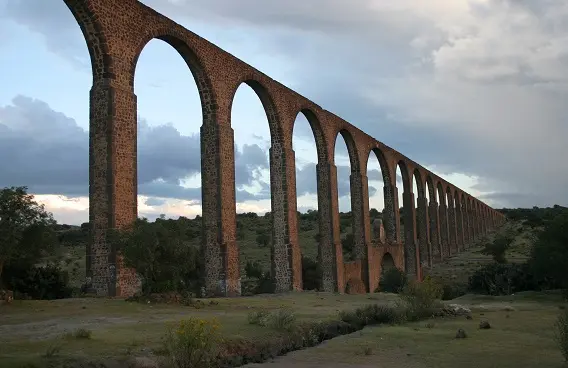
481,93
48,152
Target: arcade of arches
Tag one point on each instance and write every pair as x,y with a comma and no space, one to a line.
439,219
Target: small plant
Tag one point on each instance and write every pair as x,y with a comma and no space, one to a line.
283,319
372,314
258,318
420,298
80,333
192,343
561,333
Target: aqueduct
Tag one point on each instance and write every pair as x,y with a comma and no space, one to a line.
446,219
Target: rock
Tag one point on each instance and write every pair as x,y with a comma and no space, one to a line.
484,325
468,317
459,310
461,334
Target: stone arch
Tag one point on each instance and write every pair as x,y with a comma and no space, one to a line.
351,149
387,262
382,163
420,184
441,195
465,226
431,189
274,124
200,76
94,38
459,219
421,220
315,125
451,220
407,185
433,221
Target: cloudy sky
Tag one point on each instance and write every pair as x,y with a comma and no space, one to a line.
474,90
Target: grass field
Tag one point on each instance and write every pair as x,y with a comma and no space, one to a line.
521,333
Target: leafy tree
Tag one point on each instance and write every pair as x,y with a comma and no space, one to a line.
498,247
347,245
26,229
155,250
262,237
549,256
254,269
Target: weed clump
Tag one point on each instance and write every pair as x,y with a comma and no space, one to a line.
420,299
281,320
192,343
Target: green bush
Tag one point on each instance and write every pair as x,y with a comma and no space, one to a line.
498,247
561,333
258,318
421,299
452,291
46,282
311,274
393,280
372,314
192,343
155,250
282,319
503,279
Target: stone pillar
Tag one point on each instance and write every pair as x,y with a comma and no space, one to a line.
360,218
466,229
285,252
444,234
410,258
112,185
459,222
471,223
219,247
330,257
434,251
423,241
390,213
452,228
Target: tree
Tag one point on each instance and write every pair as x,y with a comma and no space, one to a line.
550,253
154,250
26,228
262,237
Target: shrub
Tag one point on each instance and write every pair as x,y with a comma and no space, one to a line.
452,291
154,250
372,314
282,320
420,299
311,274
393,280
561,333
549,256
503,279
47,282
258,318
498,247
82,333
192,343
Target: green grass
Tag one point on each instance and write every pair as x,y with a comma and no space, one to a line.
519,338
30,328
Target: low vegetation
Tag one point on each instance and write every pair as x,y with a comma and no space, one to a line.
525,261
